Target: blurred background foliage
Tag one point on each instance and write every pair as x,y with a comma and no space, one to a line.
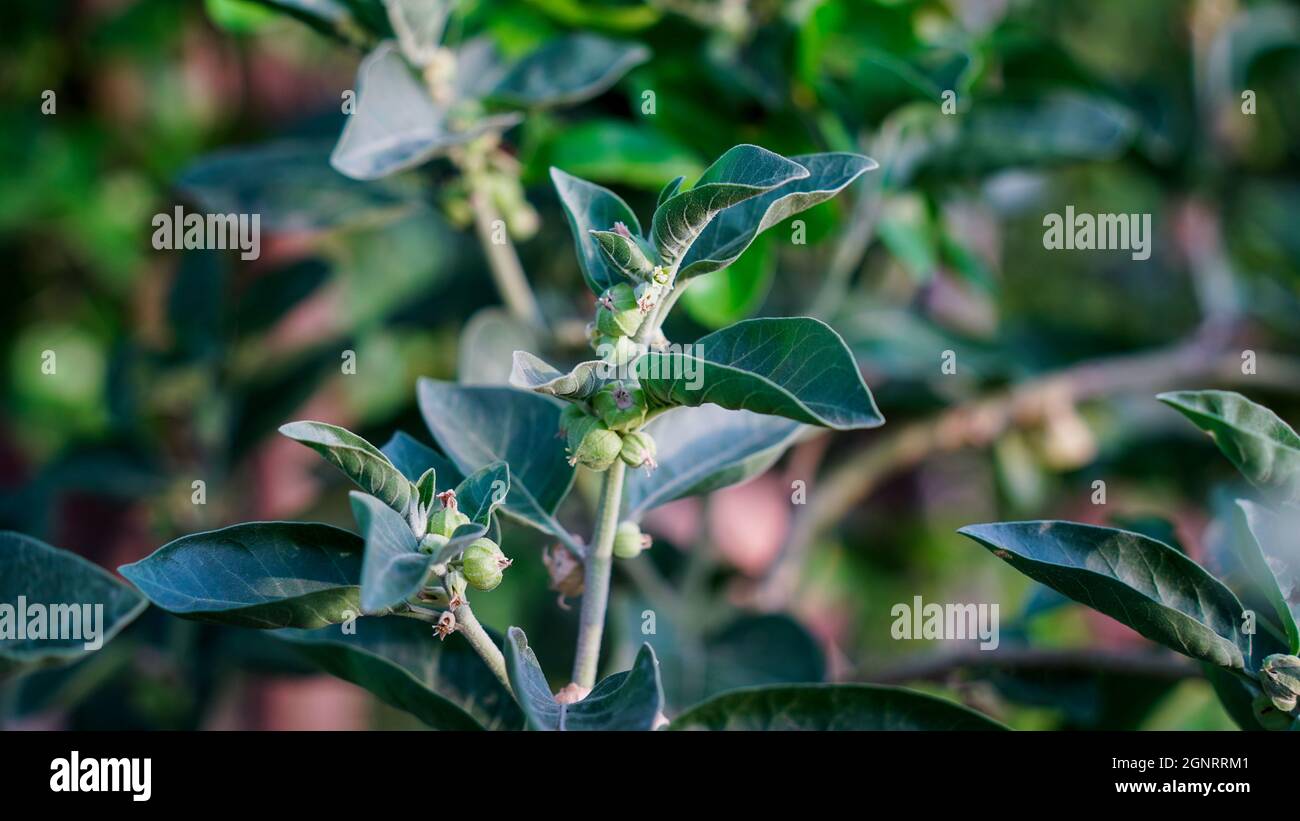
178,366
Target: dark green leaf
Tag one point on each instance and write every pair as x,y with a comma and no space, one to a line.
261,574
1136,580
589,207
568,70
830,707
623,701
703,449
79,597
479,425
412,458
443,683
744,172
1262,446
794,367
725,238
394,569
479,495
361,461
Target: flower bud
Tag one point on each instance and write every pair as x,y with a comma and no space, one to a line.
638,450
1279,675
629,541
598,448
618,350
445,521
619,314
454,583
483,563
620,408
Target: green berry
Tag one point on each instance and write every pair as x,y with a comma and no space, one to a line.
1279,675
598,448
445,521
629,541
638,450
577,427
483,563
620,408
1269,716
619,314
618,350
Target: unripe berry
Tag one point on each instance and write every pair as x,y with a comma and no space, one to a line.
576,427
445,521
629,541
619,314
598,448
620,408
483,563
638,450
1269,716
618,350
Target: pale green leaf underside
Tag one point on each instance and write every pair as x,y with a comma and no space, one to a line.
795,367
703,449
1270,550
361,461
743,172
532,373
1134,579
830,707
624,701
49,576
261,574
1263,447
727,236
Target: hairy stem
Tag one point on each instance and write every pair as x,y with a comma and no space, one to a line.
503,261
599,560
482,643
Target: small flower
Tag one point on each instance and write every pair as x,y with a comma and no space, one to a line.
446,625
621,230
448,499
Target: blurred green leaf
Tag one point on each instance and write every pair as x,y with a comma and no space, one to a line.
568,70
616,152
830,707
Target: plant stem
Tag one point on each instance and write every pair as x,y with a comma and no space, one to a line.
595,594
503,261
482,643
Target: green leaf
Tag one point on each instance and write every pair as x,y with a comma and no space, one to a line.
830,707
479,425
262,575
703,449
487,343
670,190
727,236
329,17
744,172
625,254
394,569
623,701
1263,447
412,458
735,292
1270,552
589,207
482,492
794,367
568,70
1135,580
60,581
534,374
396,125
443,683
361,461
418,25
291,185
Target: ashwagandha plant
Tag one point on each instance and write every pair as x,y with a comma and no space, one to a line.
694,418
1241,628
